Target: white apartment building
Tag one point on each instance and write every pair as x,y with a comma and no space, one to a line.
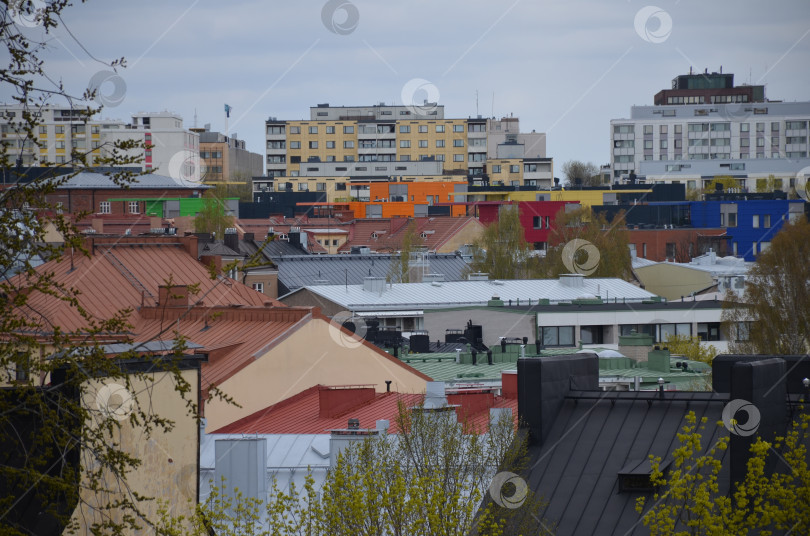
696,142
175,150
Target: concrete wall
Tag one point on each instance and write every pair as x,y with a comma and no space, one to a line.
168,467
496,323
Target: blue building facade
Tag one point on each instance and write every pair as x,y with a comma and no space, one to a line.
751,224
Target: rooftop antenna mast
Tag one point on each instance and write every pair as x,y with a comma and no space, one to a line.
195,117
476,103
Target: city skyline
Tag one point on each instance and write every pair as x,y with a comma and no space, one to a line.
564,69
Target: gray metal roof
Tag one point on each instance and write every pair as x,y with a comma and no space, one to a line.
471,293
87,179
299,271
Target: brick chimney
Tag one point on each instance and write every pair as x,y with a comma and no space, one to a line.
332,401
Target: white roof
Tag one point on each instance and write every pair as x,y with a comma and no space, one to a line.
474,293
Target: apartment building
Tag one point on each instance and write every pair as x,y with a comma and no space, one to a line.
734,128
381,141
225,158
174,152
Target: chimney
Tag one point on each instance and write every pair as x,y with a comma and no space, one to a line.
341,439
572,280
232,239
509,384
249,237
333,401
173,296
374,284
543,383
243,464
216,260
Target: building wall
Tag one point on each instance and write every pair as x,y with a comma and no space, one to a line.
536,217
305,298
468,234
316,353
80,200
495,323
268,280
659,244
168,469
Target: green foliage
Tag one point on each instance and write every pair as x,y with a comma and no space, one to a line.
776,302
769,185
691,348
608,253
430,478
411,242
578,173
689,500
213,217
502,251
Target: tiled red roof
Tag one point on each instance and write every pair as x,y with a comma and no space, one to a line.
126,272
388,234
301,414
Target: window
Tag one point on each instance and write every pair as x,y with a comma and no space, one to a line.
744,127
320,186
558,336
348,144
258,287
458,128
745,142
60,129
348,129
760,142
439,158
458,158
21,367
439,143
644,250
330,145
537,222
313,145
404,129
760,127
134,207
648,144
458,143
313,130
496,168
104,207
295,145
766,221
763,246
330,130
623,129
663,144
275,129
732,219
648,129
514,169
44,130
423,129
404,143
423,143
439,128
334,242
404,158
755,221
295,130
303,187
775,127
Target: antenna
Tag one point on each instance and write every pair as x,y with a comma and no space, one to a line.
195,117
476,102
493,105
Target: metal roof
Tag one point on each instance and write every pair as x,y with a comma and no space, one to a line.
299,271
87,179
473,293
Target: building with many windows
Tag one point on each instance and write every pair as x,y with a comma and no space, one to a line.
733,128
225,158
380,142
174,150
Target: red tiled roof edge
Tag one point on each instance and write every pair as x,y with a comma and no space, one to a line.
278,405
389,357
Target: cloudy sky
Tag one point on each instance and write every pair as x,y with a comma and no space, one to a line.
564,67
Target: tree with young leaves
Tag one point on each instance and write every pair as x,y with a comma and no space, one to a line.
431,477
773,314
578,173
399,272
689,500
585,242
58,452
213,216
502,250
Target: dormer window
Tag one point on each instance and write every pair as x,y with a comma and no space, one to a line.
636,476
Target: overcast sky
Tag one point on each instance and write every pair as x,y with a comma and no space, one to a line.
564,67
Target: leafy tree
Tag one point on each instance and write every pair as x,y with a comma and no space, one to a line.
578,173
432,477
213,217
689,501
584,242
691,348
399,271
726,181
502,250
47,425
773,314
769,185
